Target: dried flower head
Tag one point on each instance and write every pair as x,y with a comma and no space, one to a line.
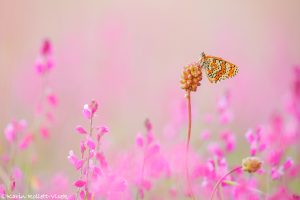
251,164
191,77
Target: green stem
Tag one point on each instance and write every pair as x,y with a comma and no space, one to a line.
221,179
189,184
88,161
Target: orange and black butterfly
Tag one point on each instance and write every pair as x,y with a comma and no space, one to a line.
217,68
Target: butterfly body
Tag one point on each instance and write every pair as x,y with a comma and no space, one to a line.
217,69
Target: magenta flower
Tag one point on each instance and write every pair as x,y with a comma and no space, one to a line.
139,140
52,99
2,190
80,183
44,132
44,62
13,129
81,130
26,141
77,163
90,109
90,143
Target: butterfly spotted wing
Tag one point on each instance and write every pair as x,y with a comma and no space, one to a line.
217,69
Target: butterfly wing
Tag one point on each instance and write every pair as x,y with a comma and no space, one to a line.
218,69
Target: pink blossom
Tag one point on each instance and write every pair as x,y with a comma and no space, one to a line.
250,136
205,135
40,66
101,130
10,132
90,143
87,112
100,157
77,163
82,147
215,149
226,117
153,149
17,174
229,139
96,172
46,48
253,148
2,190
80,183
52,99
146,184
276,173
139,141
274,157
288,164
148,125
80,130
82,195
90,109
14,128
44,132
149,137
93,106
25,142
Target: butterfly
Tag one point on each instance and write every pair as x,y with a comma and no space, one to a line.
217,69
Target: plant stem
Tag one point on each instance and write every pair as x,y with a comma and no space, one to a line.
221,179
88,161
190,190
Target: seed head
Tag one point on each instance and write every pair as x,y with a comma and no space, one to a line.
251,164
191,77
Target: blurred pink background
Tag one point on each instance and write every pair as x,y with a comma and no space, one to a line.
129,55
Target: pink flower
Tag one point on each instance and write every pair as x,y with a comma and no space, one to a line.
276,173
82,147
153,149
101,130
229,139
274,157
40,66
2,190
86,111
52,99
96,171
75,161
90,109
44,132
90,143
100,157
17,174
79,164
80,183
205,135
288,164
148,125
46,48
139,141
250,136
80,130
25,142
10,132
